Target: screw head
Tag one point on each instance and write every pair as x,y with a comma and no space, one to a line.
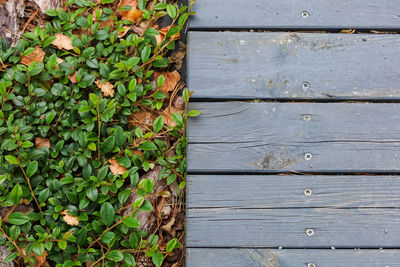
307,117
305,14
306,85
310,232
308,156
311,264
307,192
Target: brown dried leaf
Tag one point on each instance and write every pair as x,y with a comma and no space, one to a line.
69,219
133,14
63,42
72,77
37,55
115,168
122,33
42,142
349,31
107,88
41,259
171,80
140,119
168,227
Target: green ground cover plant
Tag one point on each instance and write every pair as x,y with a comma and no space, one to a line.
86,111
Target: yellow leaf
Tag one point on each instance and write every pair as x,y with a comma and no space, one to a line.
107,88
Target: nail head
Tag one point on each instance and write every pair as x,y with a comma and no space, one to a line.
308,156
310,232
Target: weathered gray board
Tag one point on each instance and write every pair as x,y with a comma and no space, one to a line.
337,14
205,257
342,228
292,191
304,137
294,65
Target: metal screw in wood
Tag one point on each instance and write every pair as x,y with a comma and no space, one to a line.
306,85
305,14
308,156
307,192
310,232
311,264
307,117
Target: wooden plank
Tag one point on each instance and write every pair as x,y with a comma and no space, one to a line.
292,191
305,137
254,65
205,257
293,228
303,14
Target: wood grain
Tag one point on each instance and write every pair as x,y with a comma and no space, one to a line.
292,191
342,228
205,257
302,137
250,65
338,14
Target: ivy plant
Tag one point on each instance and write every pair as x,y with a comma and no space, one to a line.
70,157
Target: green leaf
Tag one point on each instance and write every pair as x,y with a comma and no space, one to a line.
107,213
158,124
160,81
108,144
92,193
115,256
146,206
10,257
171,11
177,119
171,245
12,159
119,136
51,12
147,185
124,162
148,146
38,248
62,244
123,196
142,4
108,238
18,218
27,144
132,222
81,237
129,259
145,54
158,259
14,232
32,168
44,195
16,194
193,113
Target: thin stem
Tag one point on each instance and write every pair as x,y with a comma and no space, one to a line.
14,244
98,130
30,186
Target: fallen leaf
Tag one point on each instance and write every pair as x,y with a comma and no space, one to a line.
72,77
63,42
168,227
133,14
137,152
37,55
179,102
40,259
69,219
42,142
349,31
140,119
171,80
122,33
103,23
178,56
107,88
115,168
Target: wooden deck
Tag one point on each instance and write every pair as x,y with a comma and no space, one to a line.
295,158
